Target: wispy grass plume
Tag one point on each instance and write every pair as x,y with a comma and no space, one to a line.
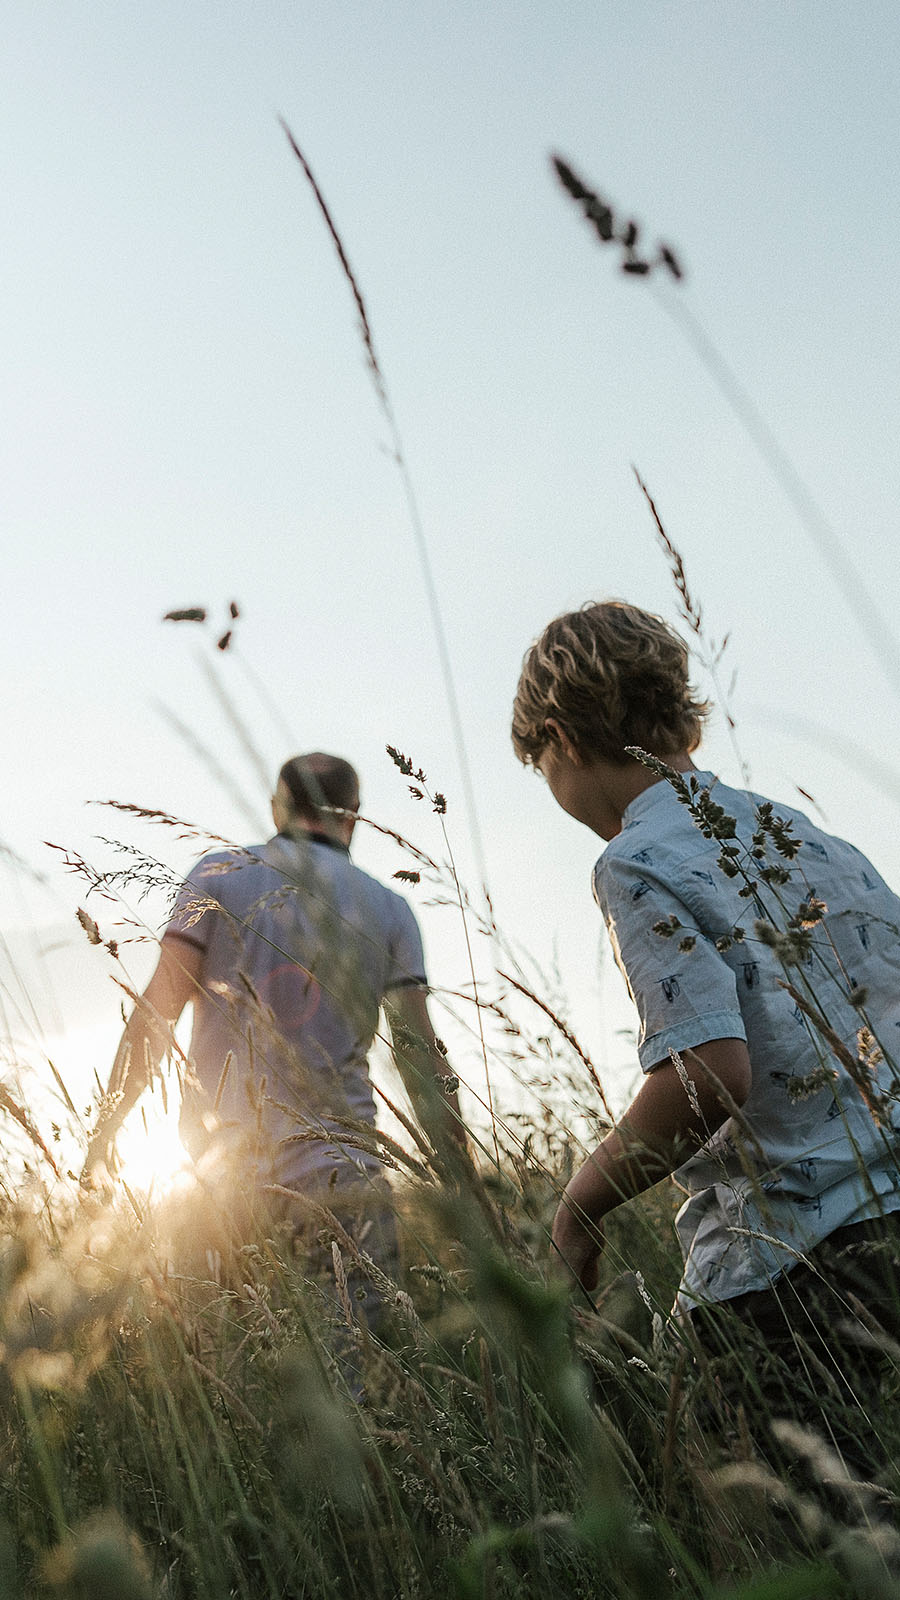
877,632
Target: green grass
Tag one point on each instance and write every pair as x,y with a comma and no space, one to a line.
180,1426
191,1408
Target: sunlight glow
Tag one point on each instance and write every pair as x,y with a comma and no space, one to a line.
152,1158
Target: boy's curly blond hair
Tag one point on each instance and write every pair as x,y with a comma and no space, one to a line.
611,675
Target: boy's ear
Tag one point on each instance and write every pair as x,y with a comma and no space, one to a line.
560,737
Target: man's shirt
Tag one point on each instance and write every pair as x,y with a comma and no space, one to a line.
813,1156
300,947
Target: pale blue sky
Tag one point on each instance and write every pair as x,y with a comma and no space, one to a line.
187,417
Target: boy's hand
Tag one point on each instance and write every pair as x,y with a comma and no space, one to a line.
577,1243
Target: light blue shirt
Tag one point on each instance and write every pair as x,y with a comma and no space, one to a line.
810,1159
300,947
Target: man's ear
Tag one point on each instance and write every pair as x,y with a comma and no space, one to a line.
560,737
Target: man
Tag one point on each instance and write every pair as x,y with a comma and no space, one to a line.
763,957
287,951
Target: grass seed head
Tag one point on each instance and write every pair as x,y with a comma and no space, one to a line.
101,1560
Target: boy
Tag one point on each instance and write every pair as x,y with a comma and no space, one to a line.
764,960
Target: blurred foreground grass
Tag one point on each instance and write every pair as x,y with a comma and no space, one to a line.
194,1418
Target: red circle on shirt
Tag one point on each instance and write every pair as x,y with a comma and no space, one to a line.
292,992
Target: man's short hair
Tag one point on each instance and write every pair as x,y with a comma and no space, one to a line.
318,783
611,675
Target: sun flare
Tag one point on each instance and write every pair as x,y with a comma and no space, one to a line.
151,1158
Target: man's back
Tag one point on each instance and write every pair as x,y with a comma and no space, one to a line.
299,948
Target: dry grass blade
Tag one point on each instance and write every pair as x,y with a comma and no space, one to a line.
235,721
413,850
856,1067
19,1115
223,777
691,612
233,1399
60,1084
340,1279
337,241
566,1032
189,830
850,583
21,865
415,518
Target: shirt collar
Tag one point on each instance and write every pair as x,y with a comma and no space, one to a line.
649,798
316,837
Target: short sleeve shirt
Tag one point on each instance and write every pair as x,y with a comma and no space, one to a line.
300,947
812,1157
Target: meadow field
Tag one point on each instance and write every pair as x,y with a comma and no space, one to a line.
210,1396
195,1407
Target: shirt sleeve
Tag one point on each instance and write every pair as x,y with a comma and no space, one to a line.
195,908
684,996
407,958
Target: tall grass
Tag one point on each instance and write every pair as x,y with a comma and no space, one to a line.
194,1406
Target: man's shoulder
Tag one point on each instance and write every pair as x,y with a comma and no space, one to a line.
232,876
341,877
385,916
217,861
394,904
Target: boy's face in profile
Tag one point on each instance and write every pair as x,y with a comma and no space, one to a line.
579,784
561,776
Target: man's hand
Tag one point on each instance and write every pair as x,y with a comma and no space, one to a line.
141,1048
421,1061
100,1162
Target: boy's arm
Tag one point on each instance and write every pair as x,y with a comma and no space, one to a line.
660,1129
145,1039
422,1064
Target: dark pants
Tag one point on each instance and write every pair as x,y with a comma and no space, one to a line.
237,1203
820,1347
364,1213
357,1290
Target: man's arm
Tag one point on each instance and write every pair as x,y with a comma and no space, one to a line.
422,1064
145,1039
660,1129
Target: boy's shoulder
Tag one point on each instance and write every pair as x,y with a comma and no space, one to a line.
663,836
659,831
711,812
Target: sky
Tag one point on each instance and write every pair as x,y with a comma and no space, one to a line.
188,420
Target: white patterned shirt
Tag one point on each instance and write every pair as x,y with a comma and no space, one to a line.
810,1158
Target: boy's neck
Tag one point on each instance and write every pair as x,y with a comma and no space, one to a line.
593,790
617,786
